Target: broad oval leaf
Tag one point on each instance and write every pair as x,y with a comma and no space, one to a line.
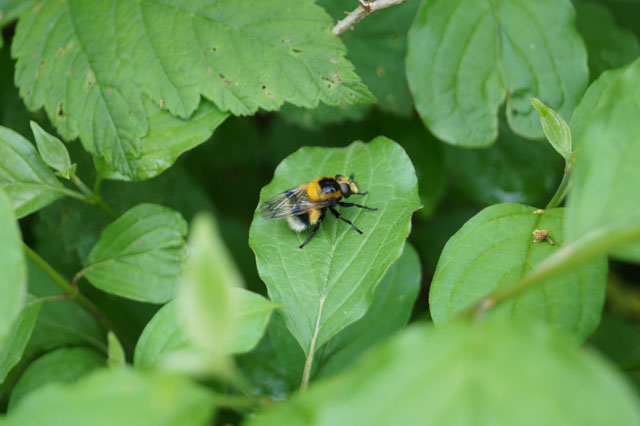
138,256
12,346
13,278
173,52
27,180
116,396
493,373
329,284
393,301
496,247
64,365
465,57
605,191
52,151
165,332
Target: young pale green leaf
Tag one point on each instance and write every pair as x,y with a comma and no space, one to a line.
555,129
496,247
115,352
120,396
12,346
64,365
53,151
512,170
165,333
609,45
91,90
26,179
168,137
465,57
393,301
204,300
138,256
329,284
605,192
13,278
487,374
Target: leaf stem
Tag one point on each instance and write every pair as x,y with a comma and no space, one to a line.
364,9
308,364
562,190
594,243
93,197
73,293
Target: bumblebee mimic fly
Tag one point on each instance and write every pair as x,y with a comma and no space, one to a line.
305,205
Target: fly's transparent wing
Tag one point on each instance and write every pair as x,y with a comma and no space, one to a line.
292,202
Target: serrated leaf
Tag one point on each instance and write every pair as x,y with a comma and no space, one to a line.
555,129
64,365
493,373
116,396
465,57
115,352
605,194
52,151
329,284
609,45
393,301
13,278
512,170
26,179
13,345
174,53
165,332
167,139
496,247
138,256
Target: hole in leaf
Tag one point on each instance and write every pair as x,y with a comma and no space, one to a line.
214,49
224,79
267,92
297,50
60,110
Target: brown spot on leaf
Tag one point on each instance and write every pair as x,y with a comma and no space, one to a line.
37,8
161,103
214,49
91,79
60,110
224,79
297,50
381,72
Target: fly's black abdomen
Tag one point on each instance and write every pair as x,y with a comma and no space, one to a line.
329,185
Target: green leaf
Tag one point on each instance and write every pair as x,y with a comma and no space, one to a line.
555,129
116,357
393,301
329,284
26,179
511,170
605,194
496,247
91,90
590,102
609,45
13,279
465,57
13,345
492,373
63,323
64,365
165,332
168,137
204,299
53,151
377,47
10,9
116,396
138,256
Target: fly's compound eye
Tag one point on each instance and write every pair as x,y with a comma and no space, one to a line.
345,189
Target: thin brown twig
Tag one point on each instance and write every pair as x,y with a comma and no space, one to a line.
364,9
